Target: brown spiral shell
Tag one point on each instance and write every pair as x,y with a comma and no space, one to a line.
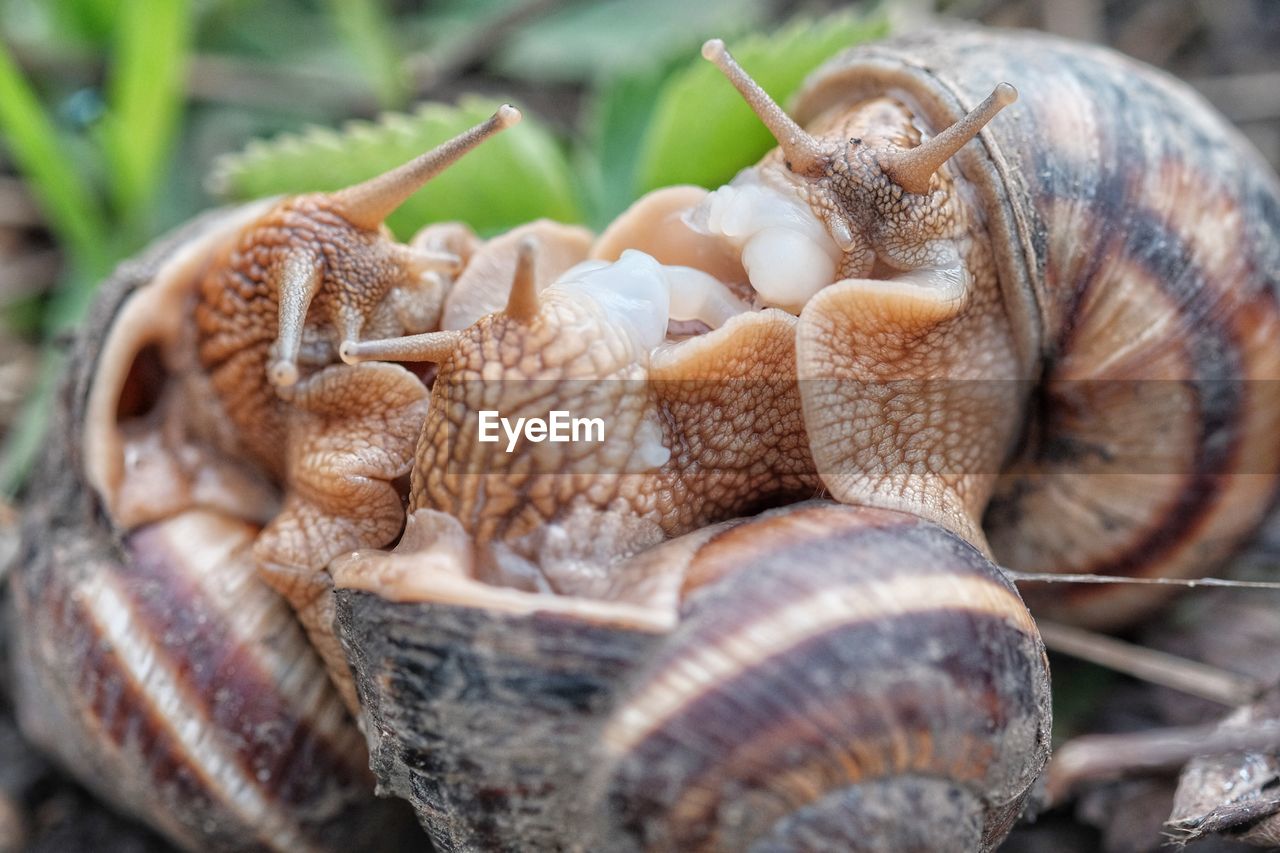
824,671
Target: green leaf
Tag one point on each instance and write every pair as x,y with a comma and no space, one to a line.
90,21
702,131
517,176
50,171
30,430
616,118
144,100
367,30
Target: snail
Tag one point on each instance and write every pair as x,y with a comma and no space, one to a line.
150,656
1044,352
1081,354
1013,339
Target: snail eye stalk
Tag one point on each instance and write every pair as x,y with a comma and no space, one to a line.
913,168
803,153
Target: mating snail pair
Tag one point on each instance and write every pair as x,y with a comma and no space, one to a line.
1028,342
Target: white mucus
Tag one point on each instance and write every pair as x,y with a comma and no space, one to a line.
640,295
787,251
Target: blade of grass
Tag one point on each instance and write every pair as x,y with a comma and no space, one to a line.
365,26
87,20
71,209
74,214
144,99
29,430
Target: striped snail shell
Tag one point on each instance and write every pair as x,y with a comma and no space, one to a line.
1018,338
819,677
1011,319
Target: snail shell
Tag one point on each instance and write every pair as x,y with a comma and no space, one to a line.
1064,252
149,658
802,680
1022,329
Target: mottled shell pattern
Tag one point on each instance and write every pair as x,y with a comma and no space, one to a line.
1065,362
151,657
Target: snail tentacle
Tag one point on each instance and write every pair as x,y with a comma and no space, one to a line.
913,168
299,281
367,204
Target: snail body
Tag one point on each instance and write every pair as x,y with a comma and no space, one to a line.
955,356
1146,325
1044,347
591,343
956,361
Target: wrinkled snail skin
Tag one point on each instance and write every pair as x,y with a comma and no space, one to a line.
1042,348
1137,239
665,468
309,276
209,439
590,339
150,660
832,670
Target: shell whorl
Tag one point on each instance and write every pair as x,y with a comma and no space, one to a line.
1136,241
834,663
140,671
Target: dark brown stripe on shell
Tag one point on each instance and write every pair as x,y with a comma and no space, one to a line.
707,734
1080,159
930,694
112,722
141,752
778,532
294,762
1219,381
1220,377
119,709
1124,221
